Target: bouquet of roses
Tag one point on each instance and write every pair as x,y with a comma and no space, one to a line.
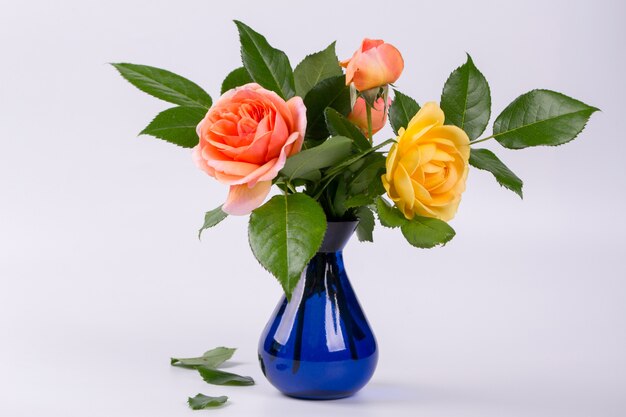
309,131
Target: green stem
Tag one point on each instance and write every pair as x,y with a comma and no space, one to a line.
481,140
326,184
291,187
368,111
355,158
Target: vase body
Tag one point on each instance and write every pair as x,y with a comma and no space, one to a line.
319,345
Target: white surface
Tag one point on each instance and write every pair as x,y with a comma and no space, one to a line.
102,278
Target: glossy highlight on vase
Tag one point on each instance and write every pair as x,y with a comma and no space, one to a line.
319,345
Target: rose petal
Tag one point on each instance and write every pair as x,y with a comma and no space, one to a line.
298,114
452,134
442,156
451,180
402,184
431,168
277,140
423,210
282,158
242,199
393,62
200,162
411,160
429,116
421,193
390,164
223,128
370,43
350,66
369,70
256,152
427,152
240,169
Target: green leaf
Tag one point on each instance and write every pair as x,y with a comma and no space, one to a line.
389,216
488,161
365,228
339,125
541,117
466,99
353,162
284,234
211,218
401,111
211,358
427,232
315,68
357,201
365,184
216,377
176,125
201,401
376,188
267,65
421,232
165,85
331,92
236,78
336,192
368,178
331,151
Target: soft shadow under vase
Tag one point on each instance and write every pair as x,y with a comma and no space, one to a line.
320,345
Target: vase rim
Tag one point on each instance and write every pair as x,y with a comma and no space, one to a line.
337,235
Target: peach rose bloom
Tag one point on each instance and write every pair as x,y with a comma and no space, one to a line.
427,168
374,64
358,115
245,139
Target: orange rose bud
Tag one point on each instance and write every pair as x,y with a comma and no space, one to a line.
374,64
358,115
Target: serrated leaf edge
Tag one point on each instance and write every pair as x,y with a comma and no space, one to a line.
117,66
590,109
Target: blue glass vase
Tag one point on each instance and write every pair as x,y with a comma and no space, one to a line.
319,345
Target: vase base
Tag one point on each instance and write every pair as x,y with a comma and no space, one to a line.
319,395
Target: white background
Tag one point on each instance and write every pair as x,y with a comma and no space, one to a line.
102,278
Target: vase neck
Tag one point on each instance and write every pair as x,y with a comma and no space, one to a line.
337,236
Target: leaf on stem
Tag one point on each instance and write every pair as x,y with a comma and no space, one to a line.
402,110
466,99
212,218
176,125
365,228
367,177
486,160
427,232
331,92
388,215
541,117
315,68
421,232
165,85
267,65
331,151
339,125
236,78
284,234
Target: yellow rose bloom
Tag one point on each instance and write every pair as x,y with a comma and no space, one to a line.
427,168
